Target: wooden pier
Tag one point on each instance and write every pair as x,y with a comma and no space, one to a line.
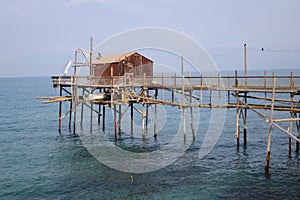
99,93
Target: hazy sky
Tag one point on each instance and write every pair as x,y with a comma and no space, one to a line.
39,36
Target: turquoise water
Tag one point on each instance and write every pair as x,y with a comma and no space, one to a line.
38,163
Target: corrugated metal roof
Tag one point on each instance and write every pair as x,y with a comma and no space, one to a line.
113,58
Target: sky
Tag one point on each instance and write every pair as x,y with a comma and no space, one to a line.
38,37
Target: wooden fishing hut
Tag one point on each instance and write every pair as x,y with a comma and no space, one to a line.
130,63
131,76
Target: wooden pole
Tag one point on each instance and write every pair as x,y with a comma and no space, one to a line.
59,110
71,108
113,106
120,119
192,116
210,90
143,120
245,122
99,111
201,87
163,86
228,93
291,124
237,119
268,156
191,108
182,79
74,99
155,114
99,114
183,100
245,64
91,57
91,115
184,123
131,118
82,108
174,81
298,129
115,120
103,117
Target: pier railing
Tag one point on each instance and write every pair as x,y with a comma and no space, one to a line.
217,82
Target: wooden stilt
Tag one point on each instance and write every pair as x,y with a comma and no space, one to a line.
291,125
210,91
191,108
183,101
131,118
184,123
59,110
75,110
237,119
146,116
201,87
174,81
115,120
82,108
147,110
268,156
120,119
103,117
143,120
298,129
155,115
163,86
99,111
192,116
91,115
74,94
70,115
99,114
245,122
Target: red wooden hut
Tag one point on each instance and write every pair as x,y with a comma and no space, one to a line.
131,63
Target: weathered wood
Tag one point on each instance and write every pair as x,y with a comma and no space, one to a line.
131,118
59,110
241,92
268,156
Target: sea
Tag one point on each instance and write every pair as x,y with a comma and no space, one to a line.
38,162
